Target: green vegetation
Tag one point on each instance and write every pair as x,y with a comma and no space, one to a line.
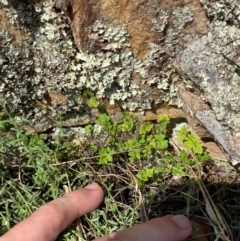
126,157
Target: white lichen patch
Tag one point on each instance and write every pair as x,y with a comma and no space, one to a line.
108,69
227,11
160,20
39,66
48,65
172,23
181,17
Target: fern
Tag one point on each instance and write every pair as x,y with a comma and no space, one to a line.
190,140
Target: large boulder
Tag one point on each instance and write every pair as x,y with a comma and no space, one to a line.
123,53
126,53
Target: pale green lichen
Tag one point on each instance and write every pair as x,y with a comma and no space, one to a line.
170,24
4,2
108,69
48,62
163,77
181,17
160,20
40,65
227,11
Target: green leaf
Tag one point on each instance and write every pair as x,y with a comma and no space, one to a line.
159,170
106,122
125,127
163,121
128,122
184,156
88,129
178,169
106,155
144,175
190,140
197,144
161,142
193,143
93,102
134,155
146,127
120,145
157,141
132,144
185,159
147,151
182,133
203,157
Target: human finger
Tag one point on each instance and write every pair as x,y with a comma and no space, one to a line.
168,228
49,220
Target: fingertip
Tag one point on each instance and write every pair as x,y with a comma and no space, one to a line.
169,226
182,221
96,188
92,189
92,186
49,220
85,199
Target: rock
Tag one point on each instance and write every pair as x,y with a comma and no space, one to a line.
195,108
124,55
161,23
212,64
123,51
144,22
63,4
215,152
192,102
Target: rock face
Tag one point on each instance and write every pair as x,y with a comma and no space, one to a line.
170,24
212,63
124,54
125,51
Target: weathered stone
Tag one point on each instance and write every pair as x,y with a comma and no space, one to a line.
146,22
124,53
215,152
158,22
223,136
7,26
212,64
125,50
191,103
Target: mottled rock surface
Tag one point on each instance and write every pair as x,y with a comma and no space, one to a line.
212,63
123,52
126,52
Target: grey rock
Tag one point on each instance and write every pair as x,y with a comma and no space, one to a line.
212,64
222,135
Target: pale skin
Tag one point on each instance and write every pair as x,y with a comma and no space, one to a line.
48,221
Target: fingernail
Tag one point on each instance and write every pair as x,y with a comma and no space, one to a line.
92,186
181,221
